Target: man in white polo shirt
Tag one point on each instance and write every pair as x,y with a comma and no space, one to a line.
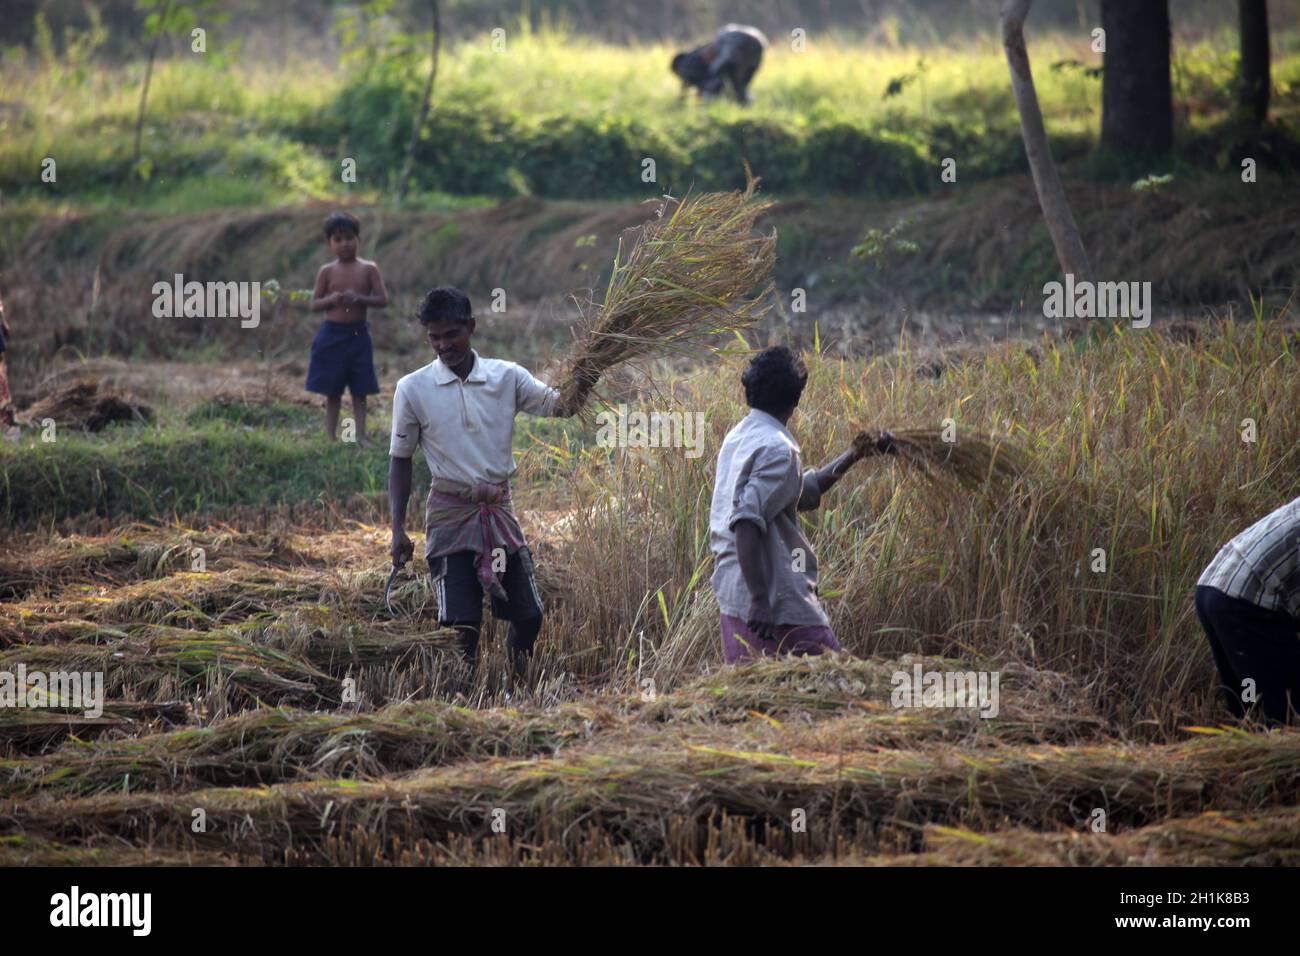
460,410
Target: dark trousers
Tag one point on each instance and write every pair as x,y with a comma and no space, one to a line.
1249,641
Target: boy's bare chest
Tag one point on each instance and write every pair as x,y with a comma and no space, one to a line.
352,277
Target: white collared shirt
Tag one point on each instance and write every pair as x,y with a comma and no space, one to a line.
760,478
466,427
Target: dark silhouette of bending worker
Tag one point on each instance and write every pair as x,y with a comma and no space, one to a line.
733,56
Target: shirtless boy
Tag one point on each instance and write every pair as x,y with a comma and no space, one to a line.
342,354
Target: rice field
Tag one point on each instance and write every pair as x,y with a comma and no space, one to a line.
254,680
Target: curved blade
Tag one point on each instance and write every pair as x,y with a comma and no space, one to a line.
388,591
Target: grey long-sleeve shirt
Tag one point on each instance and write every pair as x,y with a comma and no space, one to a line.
760,478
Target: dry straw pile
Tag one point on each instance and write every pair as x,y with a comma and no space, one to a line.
83,404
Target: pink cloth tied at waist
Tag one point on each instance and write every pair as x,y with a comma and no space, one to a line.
478,518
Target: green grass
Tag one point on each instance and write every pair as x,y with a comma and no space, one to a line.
560,115
135,470
259,415
219,455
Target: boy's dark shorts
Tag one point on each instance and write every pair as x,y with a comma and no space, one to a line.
460,593
342,356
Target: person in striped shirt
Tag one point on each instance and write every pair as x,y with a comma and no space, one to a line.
1248,601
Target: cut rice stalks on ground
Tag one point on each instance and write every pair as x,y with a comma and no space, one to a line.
25,730
641,795
779,704
232,671
1265,838
1034,705
139,552
23,851
273,745
207,600
83,404
1262,838
171,663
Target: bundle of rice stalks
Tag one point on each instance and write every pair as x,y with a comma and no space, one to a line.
269,746
83,404
201,599
640,795
971,460
1262,838
25,730
136,552
169,663
19,627
691,273
1034,706
333,644
19,850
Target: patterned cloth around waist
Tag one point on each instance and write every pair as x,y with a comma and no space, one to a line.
479,518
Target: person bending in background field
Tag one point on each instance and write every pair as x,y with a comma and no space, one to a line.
765,573
460,409
1248,601
733,56
342,354
8,417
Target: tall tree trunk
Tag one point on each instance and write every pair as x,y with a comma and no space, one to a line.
1255,81
407,166
1070,252
144,99
1137,111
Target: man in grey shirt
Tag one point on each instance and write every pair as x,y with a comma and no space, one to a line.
1248,601
765,572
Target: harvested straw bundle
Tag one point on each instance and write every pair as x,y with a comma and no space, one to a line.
170,661
971,460
688,275
82,404
271,746
1214,838
284,744
637,792
19,850
24,730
